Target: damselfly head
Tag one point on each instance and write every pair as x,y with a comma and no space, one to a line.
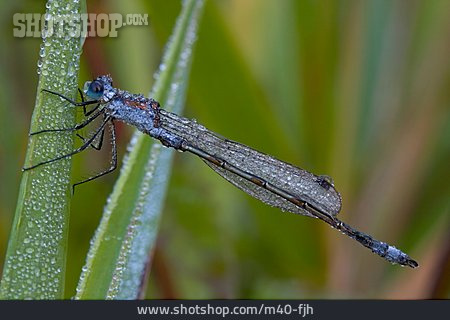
100,88
95,89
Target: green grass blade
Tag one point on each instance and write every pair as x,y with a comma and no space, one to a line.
127,232
36,255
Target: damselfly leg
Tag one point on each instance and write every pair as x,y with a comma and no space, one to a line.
112,129
74,128
87,142
86,114
83,147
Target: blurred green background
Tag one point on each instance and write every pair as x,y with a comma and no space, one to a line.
358,90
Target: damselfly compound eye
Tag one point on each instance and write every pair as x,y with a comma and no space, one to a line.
95,90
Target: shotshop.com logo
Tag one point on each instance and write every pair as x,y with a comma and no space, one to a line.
36,25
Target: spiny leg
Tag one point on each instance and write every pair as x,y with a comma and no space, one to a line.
79,104
82,100
83,103
112,129
86,113
83,147
100,141
76,127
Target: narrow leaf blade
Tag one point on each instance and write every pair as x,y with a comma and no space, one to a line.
36,255
127,232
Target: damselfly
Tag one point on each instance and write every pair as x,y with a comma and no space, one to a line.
272,181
